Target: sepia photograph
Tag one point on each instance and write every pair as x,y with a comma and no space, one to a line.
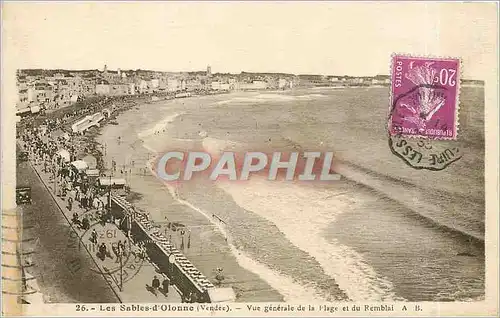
249,158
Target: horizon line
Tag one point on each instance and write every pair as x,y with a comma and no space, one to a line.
222,73
186,71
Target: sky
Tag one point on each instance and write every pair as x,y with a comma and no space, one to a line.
330,38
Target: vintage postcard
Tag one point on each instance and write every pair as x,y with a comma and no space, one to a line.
249,159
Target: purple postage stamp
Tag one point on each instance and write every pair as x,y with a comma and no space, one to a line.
424,97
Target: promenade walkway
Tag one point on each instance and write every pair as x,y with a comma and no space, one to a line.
129,275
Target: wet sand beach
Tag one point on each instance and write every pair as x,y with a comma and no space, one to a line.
208,248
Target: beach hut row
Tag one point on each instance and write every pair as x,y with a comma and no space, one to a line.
191,276
88,122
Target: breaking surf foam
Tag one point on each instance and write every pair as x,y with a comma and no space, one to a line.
159,126
285,285
271,98
302,214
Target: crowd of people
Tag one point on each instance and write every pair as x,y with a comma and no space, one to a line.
85,198
55,155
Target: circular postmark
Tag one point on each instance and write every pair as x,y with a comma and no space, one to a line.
419,151
113,254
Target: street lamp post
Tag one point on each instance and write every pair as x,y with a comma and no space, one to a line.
55,181
121,270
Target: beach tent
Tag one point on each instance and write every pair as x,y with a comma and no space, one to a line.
64,154
91,161
23,111
76,126
92,173
221,295
80,165
97,117
87,123
107,181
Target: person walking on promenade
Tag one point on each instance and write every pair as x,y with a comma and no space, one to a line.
101,206
102,251
189,298
121,248
116,251
83,201
70,203
219,276
93,237
165,284
155,284
85,223
75,219
194,298
142,250
88,201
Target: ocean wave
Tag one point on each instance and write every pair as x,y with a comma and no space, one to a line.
302,214
260,98
217,146
424,203
419,201
285,285
327,88
159,126
296,214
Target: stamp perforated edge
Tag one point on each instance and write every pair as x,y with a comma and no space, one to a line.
457,101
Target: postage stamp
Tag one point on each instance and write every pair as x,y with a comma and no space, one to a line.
424,97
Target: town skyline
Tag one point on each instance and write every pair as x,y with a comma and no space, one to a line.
342,39
69,70
215,72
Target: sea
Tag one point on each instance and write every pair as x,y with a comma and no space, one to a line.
384,232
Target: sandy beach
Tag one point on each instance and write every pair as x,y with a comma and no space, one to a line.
208,248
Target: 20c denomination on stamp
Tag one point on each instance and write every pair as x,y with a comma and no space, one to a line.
425,97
